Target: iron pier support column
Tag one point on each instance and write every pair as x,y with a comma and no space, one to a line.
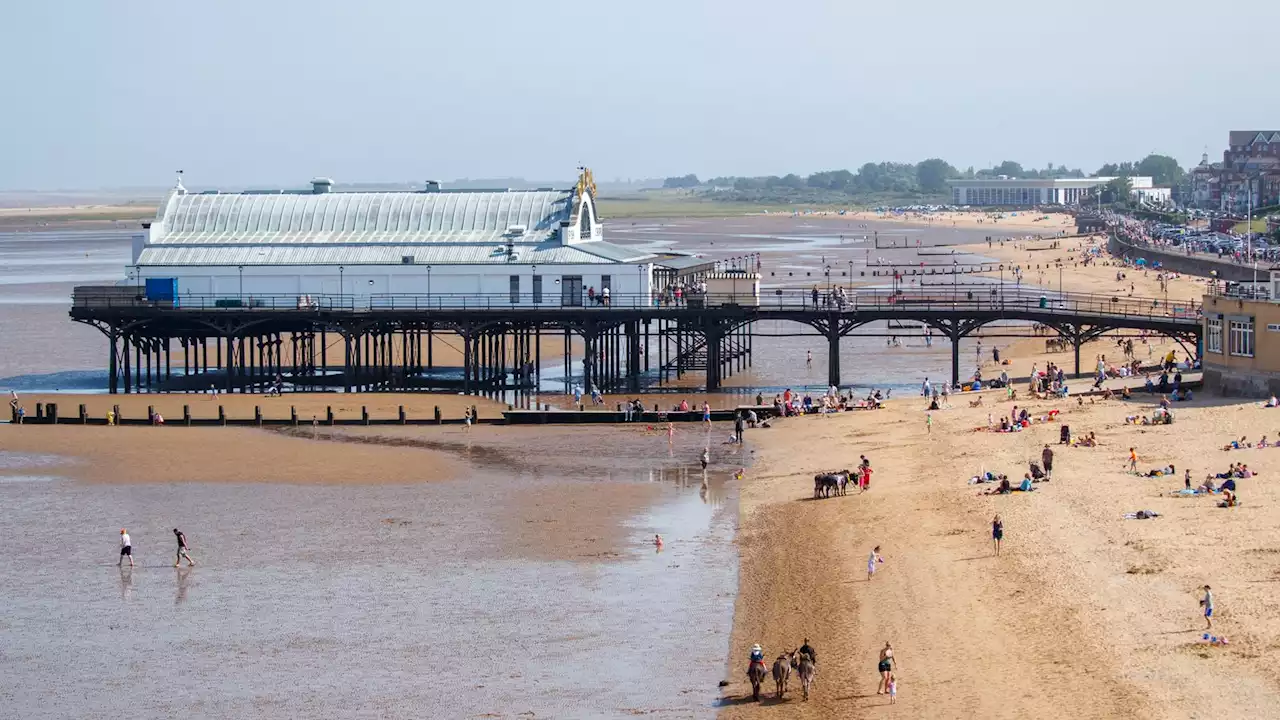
112,382
833,353
955,356
714,337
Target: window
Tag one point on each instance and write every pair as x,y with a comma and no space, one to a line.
1242,337
1213,335
515,289
537,289
605,282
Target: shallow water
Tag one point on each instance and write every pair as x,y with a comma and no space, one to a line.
382,601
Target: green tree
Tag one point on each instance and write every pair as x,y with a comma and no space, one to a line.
686,181
1162,169
837,180
1118,190
932,174
1008,167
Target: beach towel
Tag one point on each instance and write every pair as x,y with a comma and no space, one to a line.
1141,515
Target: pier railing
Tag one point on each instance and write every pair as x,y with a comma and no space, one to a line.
984,299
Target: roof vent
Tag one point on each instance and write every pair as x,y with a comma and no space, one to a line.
432,186
321,185
515,231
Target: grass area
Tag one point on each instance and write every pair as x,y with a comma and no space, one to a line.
1259,226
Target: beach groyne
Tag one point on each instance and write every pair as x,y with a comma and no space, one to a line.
50,414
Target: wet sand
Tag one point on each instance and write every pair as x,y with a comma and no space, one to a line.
482,586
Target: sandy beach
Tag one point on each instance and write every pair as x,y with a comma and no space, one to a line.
1084,609
1084,614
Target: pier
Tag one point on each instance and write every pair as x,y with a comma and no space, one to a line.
383,342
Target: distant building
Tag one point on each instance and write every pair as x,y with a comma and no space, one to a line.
1026,192
542,247
1249,174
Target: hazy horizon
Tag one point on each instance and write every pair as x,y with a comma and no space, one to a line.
242,94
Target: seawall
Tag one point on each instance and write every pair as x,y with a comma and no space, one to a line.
1201,265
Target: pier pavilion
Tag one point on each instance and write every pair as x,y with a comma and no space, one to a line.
535,247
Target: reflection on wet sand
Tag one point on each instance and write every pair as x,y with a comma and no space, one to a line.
537,553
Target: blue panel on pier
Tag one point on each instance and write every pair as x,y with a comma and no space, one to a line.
162,288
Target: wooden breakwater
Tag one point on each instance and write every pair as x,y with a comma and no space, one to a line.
49,414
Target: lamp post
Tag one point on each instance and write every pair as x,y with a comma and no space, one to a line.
241,269
828,271
850,283
534,288
641,291
342,283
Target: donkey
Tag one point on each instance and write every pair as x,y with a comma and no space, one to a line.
805,666
782,672
756,673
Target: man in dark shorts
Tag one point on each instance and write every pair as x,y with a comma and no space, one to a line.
1047,456
182,549
126,548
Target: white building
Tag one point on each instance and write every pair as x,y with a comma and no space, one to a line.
433,248
1034,191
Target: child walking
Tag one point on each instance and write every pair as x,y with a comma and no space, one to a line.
893,690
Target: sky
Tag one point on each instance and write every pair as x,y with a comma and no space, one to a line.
270,94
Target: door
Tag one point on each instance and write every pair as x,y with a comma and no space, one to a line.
571,290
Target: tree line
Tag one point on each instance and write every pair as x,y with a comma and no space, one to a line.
926,178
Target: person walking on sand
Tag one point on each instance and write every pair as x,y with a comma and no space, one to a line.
126,548
671,432
1133,460
1206,603
885,667
893,689
808,359
706,413
1046,456
928,423
705,458
873,560
182,549
997,533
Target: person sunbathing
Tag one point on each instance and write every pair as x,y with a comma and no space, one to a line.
1161,472
1272,402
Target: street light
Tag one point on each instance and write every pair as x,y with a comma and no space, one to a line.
241,269
428,286
641,294
342,283
534,288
